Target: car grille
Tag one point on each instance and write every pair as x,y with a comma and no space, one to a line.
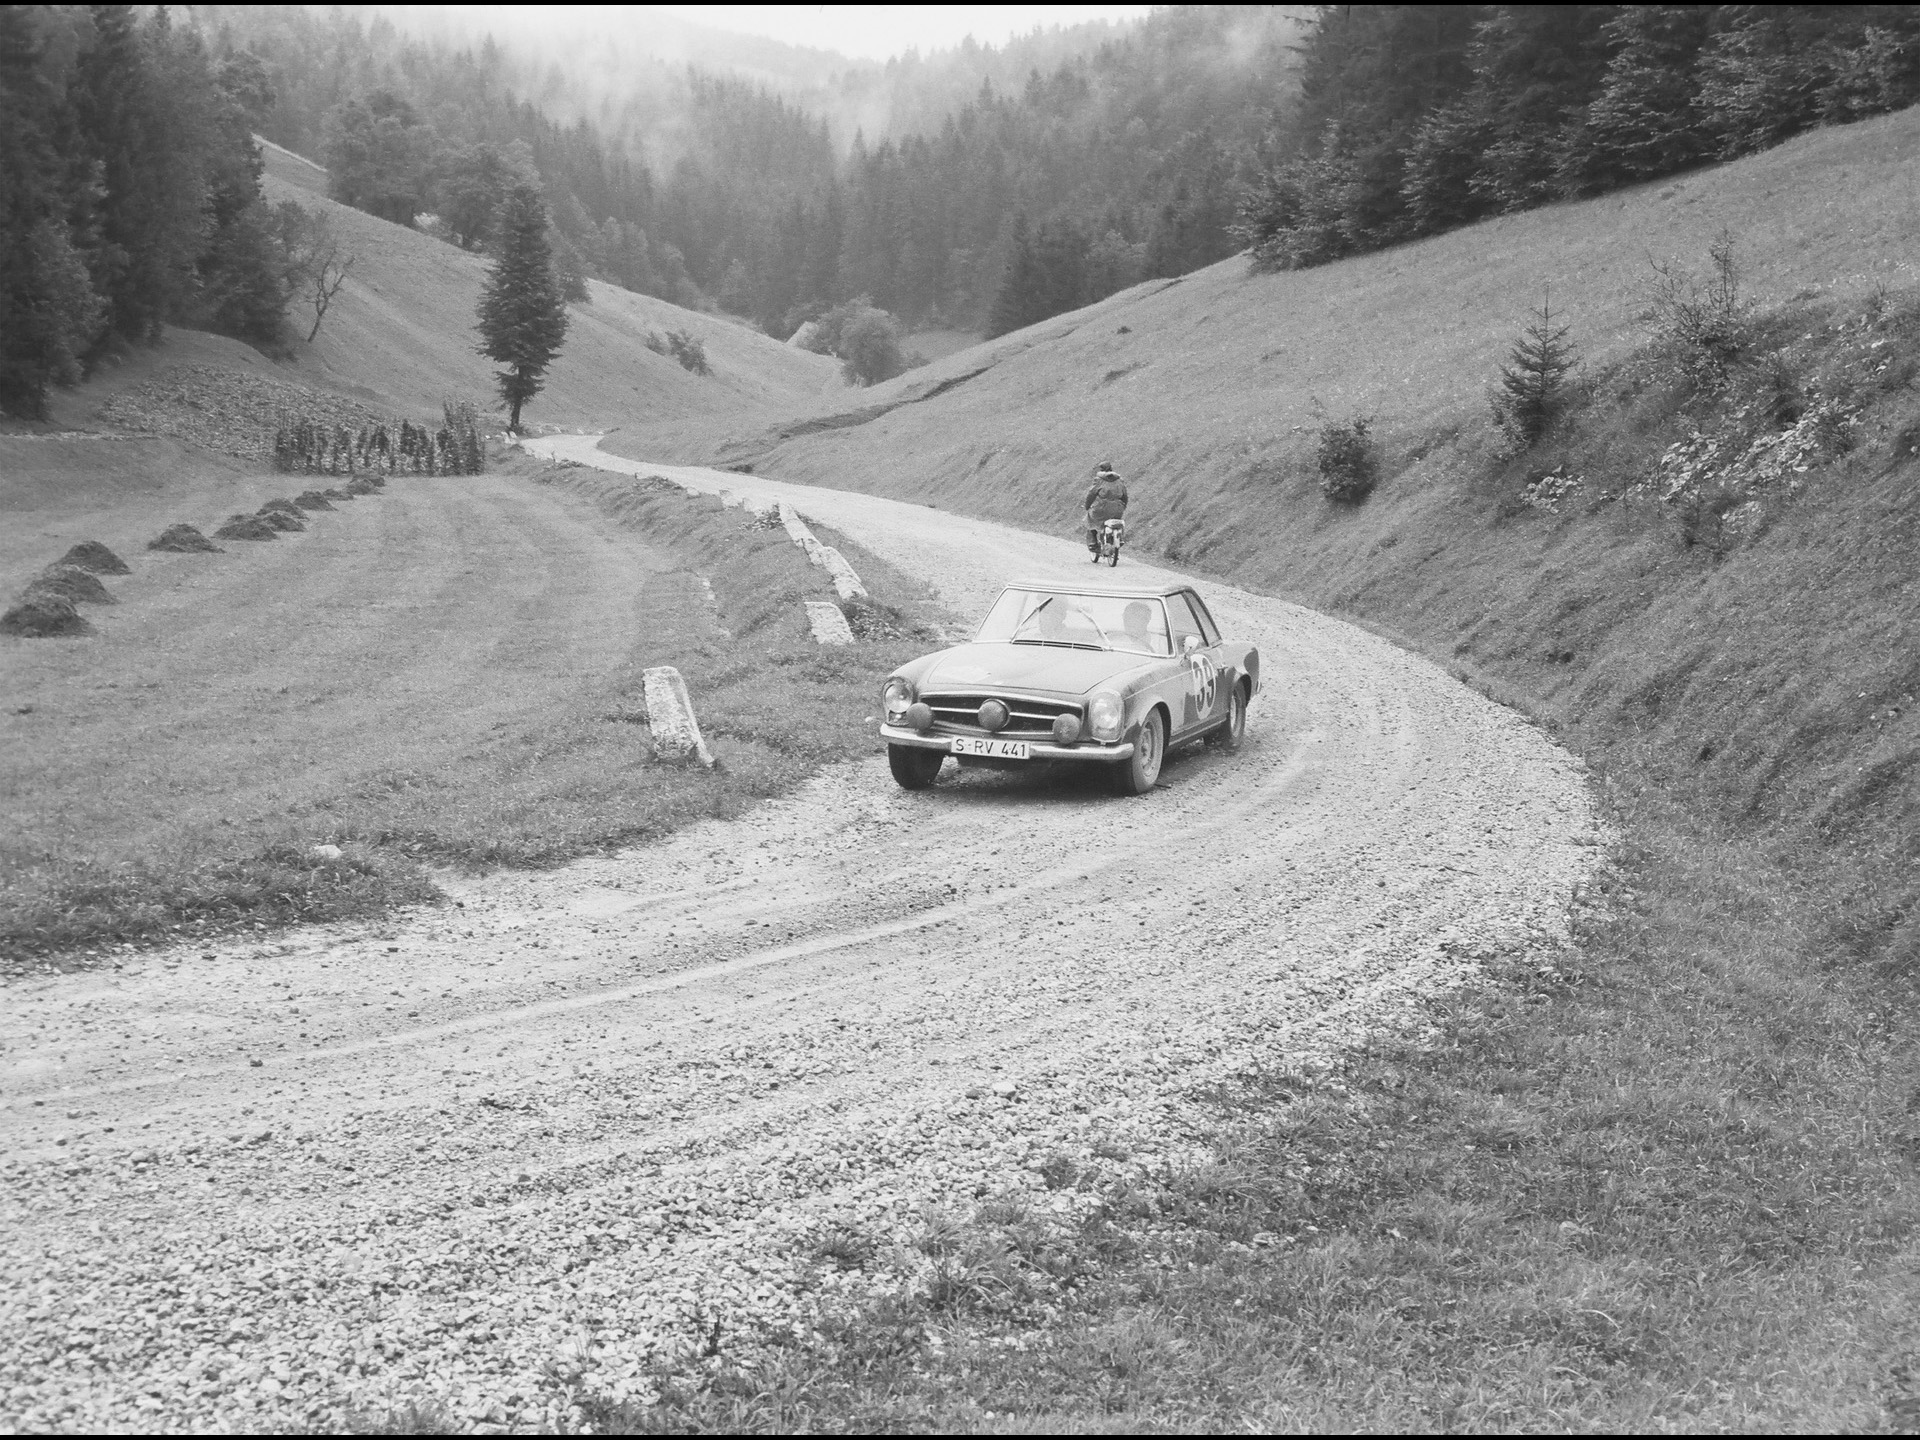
1031,718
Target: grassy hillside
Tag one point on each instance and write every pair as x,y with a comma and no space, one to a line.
400,334
1189,384
1203,390
399,338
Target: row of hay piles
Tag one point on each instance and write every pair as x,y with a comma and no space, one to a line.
270,519
49,606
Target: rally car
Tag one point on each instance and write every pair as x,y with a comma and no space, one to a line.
1090,674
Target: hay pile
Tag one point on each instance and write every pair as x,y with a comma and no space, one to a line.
184,539
282,515
71,583
51,603
92,555
246,527
312,500
362,487
41,615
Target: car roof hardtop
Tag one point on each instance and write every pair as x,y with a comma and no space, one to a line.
1118,592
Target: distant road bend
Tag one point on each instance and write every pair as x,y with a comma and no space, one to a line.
586,1114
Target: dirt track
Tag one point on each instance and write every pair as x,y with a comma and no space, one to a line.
490,1151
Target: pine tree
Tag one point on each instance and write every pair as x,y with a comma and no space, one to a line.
1643,123
1018,301
1764,71
49,313
1533,388
523,317
1534,67
1441,163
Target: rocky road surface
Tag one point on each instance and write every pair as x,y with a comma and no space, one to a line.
491,1155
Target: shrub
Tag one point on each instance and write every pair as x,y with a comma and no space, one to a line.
1349,460
688,350
1533,383
870,348
656,342
1707,320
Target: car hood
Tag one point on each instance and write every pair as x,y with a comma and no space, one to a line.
1005,666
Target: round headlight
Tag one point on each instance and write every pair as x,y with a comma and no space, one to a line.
920,715
1103,716
895,698
1066,729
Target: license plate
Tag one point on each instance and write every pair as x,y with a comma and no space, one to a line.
994,749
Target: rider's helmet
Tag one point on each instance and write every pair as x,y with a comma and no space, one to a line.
1105,467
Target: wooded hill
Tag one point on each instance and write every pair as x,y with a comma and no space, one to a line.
133,193
751,206
1306,135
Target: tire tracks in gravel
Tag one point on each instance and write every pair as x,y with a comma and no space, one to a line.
575,1120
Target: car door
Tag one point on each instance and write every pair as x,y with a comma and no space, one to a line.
1196,643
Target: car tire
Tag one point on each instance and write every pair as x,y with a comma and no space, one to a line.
1229,735
912,767
1138,774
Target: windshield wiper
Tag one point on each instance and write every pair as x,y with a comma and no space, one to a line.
1063,644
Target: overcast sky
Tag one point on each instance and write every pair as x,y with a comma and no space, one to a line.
875,32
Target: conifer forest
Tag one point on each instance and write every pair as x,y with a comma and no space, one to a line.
131,190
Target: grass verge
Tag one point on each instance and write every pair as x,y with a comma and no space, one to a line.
570,771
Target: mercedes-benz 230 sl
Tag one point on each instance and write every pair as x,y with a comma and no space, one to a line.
1090,674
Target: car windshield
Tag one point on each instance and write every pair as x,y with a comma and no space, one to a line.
1080,622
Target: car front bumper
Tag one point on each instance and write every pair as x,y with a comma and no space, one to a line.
1036,749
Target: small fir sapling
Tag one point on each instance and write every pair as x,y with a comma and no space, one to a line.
1533,391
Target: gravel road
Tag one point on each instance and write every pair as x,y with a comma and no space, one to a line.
492,1154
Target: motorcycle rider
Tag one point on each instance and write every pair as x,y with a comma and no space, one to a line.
1106,500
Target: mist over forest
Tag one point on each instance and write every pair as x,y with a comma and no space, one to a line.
976,189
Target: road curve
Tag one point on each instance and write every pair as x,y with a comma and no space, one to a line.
489,1154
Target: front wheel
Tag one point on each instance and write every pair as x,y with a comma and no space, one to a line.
912,767
1137,774
1229,735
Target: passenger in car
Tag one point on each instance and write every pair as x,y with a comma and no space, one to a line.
1137,620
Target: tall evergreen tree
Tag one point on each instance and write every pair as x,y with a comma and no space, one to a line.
1765,68
1442,161
49,313
523,316
110,94
1644,122
1535,67
1018,301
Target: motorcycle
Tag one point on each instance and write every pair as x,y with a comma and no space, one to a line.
1113,535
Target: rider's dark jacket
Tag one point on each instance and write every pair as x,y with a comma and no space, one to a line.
1106,500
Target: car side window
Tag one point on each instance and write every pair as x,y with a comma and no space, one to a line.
1205,616
1180,616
